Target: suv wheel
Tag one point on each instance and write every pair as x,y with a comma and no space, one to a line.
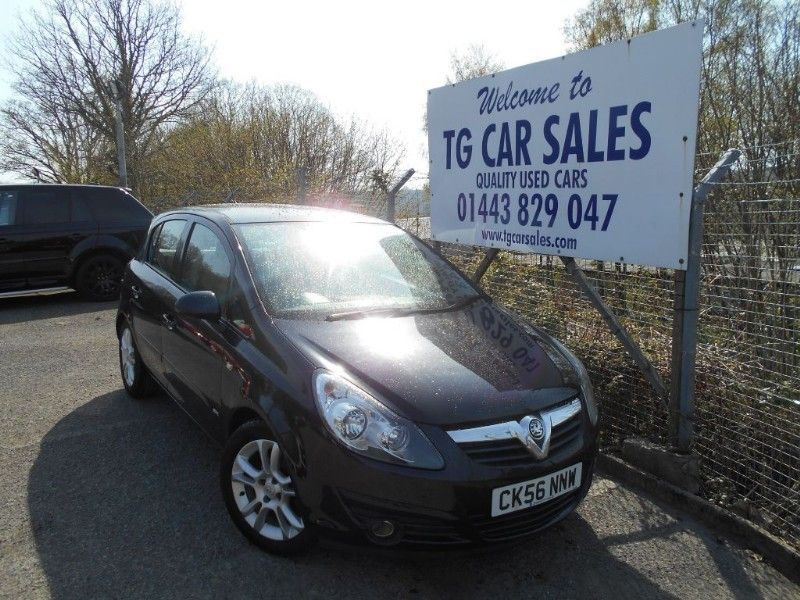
99,278
259,492
137,381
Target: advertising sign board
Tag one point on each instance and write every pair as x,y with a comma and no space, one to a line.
590,155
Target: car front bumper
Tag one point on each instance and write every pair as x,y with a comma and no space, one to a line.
347,495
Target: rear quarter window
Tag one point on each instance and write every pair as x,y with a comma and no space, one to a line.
114,206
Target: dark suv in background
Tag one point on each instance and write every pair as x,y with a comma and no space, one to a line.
58,236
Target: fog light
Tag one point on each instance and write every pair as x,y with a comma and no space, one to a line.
382,529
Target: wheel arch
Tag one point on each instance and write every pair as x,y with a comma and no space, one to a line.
121,318
241,415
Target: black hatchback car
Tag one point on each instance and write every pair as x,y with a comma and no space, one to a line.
359,383
57,236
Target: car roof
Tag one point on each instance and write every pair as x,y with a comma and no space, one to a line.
274,213
90,186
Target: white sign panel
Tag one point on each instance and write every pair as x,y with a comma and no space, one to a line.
589,155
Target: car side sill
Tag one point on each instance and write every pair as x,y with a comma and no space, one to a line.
40,292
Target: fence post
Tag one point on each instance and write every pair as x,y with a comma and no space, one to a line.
685,308
390,201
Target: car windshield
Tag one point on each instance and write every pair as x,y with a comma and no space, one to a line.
345,270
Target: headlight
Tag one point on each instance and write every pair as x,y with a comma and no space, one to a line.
583,378
366,426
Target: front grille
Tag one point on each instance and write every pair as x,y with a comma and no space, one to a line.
523,522
511,452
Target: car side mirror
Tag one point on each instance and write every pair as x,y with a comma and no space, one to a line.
199,305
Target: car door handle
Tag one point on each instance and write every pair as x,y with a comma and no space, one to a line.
168,320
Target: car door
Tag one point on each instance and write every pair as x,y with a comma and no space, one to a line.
152,288
12,265
195,351
50,233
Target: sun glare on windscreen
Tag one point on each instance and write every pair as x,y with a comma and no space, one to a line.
339,244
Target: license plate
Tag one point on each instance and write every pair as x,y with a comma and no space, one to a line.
519,496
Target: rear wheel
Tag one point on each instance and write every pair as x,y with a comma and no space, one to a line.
137,381
99,278
259,491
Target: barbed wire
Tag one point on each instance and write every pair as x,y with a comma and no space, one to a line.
753,147
765,182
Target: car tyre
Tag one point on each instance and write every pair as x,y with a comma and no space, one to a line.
99,278
137,381
259,491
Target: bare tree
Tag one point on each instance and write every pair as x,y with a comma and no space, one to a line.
474,62
64,59
604,21
250,142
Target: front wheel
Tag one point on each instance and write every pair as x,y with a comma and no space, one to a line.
137,381
259,492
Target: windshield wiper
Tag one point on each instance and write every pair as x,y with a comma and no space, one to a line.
463,303
364,312
400,311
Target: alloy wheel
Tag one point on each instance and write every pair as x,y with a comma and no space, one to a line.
103,278
127,355
264,493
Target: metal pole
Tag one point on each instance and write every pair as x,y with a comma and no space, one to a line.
487,260
302,185
685,306
390,202
123,166
644,364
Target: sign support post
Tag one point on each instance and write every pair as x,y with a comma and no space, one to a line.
648,370
486,261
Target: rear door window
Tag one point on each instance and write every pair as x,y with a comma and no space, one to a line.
45,207
165,246
8,208
205,263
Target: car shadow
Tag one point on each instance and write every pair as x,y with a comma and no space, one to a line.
33,308
124,501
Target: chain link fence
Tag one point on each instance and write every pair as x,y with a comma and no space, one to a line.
748,379
747,421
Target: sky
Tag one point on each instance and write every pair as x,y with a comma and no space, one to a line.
372,60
